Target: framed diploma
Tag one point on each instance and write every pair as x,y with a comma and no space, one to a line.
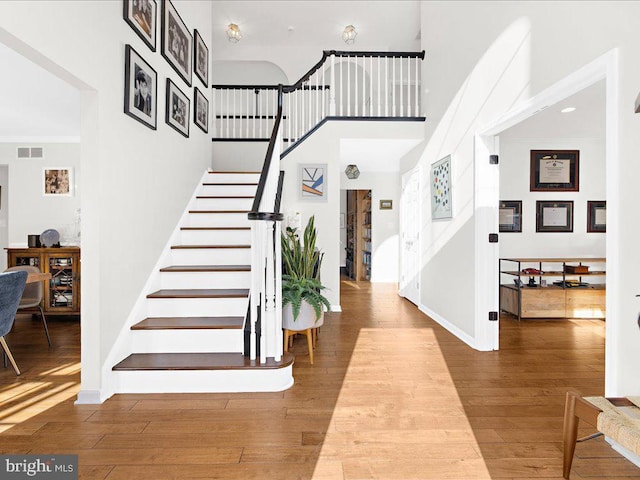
510,216
555,171
596,216
554,216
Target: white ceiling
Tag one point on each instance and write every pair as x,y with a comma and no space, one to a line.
35,105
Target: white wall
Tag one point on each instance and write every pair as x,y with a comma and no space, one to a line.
519,49
385,224
135,181
4,215
343,230
31,212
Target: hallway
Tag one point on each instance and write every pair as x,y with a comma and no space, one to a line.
391,396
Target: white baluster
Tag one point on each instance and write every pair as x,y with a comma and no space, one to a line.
333,89
317,95
379,65
393,88
349,87
417,107
386,86
401,90
371,86
324,92
364,86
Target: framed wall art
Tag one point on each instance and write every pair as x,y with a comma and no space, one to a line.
200,110
555,171
177,43
200,58
177,111
141,16
386,204
510,216
140,89
596,216
554,216
312,182
57,181
441,189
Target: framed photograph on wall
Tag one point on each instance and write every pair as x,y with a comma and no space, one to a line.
441,189
554,216
312,182
57,181
177,111
596,216
510,216
140,89
200,58
555,171
141,16
386,204
177,43
200,110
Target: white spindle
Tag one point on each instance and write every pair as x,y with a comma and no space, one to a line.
417,107
393,88
317,95
371,86
227,93
379,65
401,90
246,112
333,89
386,86
324,92
349,88
364,85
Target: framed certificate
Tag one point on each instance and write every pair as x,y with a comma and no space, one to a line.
596,216
554,216
510,216
555,171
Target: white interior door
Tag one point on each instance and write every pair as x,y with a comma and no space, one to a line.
410,236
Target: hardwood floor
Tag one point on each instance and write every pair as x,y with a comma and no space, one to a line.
391,396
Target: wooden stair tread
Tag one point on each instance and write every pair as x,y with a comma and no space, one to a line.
215,228
207,268
188,323
218,211
178,247
198,361
200,293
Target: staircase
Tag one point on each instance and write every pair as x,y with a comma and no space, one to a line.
191,337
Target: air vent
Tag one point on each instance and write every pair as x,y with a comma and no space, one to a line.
30,152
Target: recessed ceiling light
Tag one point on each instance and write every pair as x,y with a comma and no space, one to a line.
567,110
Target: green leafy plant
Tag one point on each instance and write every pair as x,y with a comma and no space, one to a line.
301,263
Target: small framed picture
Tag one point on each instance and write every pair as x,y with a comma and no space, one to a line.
141,16
312,181
342,225
57,181
200,58
386,204
177,43
140,89
177,111
441,189
554,216
555,171
200,110
596,216
510,216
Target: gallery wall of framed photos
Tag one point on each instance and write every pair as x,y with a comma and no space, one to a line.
166,37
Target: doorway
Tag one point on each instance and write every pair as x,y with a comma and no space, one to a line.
410,242
358,235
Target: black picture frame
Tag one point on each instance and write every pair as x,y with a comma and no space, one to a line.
510,216
555,171
200,110
177,42
177,114
141,15
140,89
596,216
200,58
554,216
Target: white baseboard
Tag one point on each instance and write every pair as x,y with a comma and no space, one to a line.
465,337
336,308
90,397
626,453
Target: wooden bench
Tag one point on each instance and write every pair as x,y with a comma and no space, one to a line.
608,420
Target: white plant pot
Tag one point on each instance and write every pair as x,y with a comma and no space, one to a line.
306,319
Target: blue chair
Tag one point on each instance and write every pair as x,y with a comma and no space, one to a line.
11,287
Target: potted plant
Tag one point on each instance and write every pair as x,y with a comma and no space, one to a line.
302,300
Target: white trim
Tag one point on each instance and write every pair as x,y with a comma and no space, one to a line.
336,308
453,329
38,139
625,452
90,397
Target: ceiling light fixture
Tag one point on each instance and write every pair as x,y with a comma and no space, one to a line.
234,33
567,110
349,34
352,172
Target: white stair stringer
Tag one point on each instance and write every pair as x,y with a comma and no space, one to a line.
224,224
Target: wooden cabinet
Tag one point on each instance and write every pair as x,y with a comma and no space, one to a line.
358,225
62,292
564,287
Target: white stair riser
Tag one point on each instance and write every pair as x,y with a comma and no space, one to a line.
211,256
188,341
222,177
215,237
222,190
203,381
196,307
224,203
190,280
217,220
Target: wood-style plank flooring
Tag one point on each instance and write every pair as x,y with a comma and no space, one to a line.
391,396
